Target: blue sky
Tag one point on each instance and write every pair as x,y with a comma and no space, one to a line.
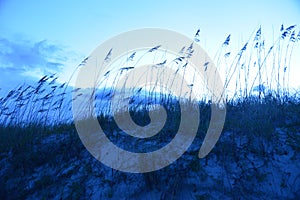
38,37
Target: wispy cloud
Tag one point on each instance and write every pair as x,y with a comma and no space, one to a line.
22,56
26,61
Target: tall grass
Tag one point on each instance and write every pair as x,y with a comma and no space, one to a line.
42,104
260,101
256,70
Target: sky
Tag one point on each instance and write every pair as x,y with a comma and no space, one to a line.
42,37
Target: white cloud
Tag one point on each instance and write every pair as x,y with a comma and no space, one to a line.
26,61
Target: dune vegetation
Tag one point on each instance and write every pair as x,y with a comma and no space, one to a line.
257,156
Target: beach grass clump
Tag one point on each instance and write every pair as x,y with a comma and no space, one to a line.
262,110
